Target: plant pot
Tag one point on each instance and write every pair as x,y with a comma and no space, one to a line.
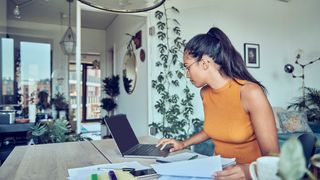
105,132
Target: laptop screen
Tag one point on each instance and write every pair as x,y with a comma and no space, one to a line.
122,132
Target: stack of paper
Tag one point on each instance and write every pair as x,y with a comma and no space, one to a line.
180,157
191,155
202,167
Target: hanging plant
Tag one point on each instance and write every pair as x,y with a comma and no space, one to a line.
173,103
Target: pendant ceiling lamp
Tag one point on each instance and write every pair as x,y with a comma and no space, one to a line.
17,9
124,6
68,41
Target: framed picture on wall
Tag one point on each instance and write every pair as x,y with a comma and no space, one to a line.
252,55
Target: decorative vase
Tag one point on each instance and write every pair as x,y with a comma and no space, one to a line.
105,132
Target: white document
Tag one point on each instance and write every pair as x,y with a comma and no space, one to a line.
180,157
228,162
203,167
84,172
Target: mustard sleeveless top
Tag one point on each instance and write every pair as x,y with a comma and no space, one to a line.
228,124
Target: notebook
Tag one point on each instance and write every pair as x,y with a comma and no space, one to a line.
127,141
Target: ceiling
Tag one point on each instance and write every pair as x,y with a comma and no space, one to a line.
56,12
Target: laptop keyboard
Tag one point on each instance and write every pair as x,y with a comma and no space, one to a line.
145,149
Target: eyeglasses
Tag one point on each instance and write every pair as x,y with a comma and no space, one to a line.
188,67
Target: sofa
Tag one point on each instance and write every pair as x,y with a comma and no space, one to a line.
286,132
289,124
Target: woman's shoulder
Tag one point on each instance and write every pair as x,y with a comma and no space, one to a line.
203,90
251,91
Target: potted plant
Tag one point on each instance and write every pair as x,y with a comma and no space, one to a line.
60,104
56,131
111,88
310,103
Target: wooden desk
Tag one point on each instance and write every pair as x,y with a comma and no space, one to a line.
49,161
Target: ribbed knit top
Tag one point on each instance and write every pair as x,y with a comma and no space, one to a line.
228,124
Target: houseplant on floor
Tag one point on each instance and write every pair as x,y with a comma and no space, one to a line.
112,90
310,103
60,105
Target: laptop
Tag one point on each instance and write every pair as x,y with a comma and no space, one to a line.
127,141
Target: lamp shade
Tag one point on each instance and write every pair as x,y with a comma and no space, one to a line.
124,6
68,42
288,68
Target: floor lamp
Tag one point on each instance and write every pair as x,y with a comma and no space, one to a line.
289,68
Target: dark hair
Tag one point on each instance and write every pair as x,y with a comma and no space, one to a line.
218,46
43,100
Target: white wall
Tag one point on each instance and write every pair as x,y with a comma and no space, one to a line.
92,41
280,29
134,105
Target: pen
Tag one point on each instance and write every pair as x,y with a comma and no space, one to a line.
123,169
193,157
112,175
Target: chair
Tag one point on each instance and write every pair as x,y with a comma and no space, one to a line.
308,141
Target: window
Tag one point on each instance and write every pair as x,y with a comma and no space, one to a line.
90,91
35,70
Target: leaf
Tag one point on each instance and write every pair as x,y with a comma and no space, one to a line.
162,48
175,9
176,22
161,35
154,83
292,162
161,25
179,74
158,15
38,129
177,30
160,78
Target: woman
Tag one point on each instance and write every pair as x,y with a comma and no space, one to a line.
43,103
237,115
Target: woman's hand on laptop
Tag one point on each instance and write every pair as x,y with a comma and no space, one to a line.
171,144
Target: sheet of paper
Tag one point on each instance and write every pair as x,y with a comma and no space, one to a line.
228,162
203,167
180,157
84,172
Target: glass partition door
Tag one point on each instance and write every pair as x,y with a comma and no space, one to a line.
90,91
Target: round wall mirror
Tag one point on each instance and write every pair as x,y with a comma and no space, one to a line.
129,72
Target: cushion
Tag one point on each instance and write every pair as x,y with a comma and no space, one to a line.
275,112
293,121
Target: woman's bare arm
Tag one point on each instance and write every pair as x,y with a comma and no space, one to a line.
257,105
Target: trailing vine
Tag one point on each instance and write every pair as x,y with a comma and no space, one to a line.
173,103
